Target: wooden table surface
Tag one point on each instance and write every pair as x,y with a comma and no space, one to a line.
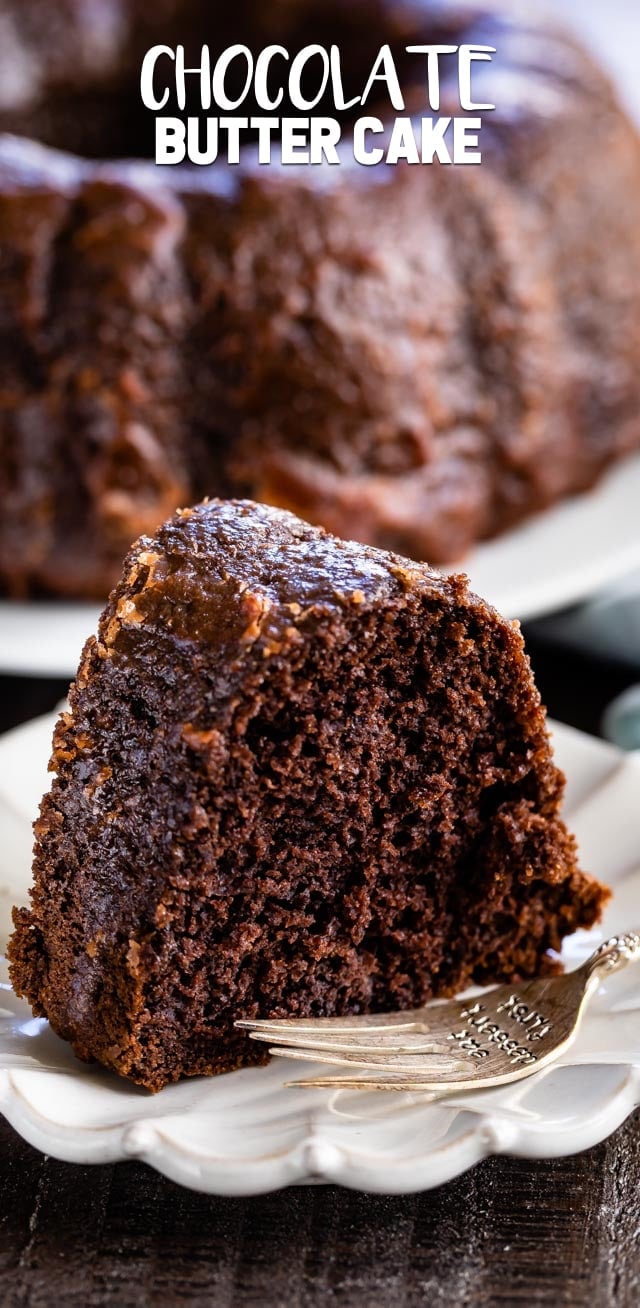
509,1232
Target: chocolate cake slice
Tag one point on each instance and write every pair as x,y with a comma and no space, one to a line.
298,776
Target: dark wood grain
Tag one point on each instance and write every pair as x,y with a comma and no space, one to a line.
510,1232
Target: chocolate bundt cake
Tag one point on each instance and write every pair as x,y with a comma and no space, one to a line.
298,776
416,356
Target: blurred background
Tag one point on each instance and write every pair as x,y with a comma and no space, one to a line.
597,644
612,29
584,638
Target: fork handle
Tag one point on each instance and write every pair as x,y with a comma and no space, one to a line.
614,954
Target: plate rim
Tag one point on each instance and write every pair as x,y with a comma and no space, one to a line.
315,1160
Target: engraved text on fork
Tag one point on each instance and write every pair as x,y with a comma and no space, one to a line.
480,1032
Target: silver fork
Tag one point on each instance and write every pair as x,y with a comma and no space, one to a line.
503,1035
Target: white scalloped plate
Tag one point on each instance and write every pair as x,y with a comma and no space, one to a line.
244,1133
579,546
